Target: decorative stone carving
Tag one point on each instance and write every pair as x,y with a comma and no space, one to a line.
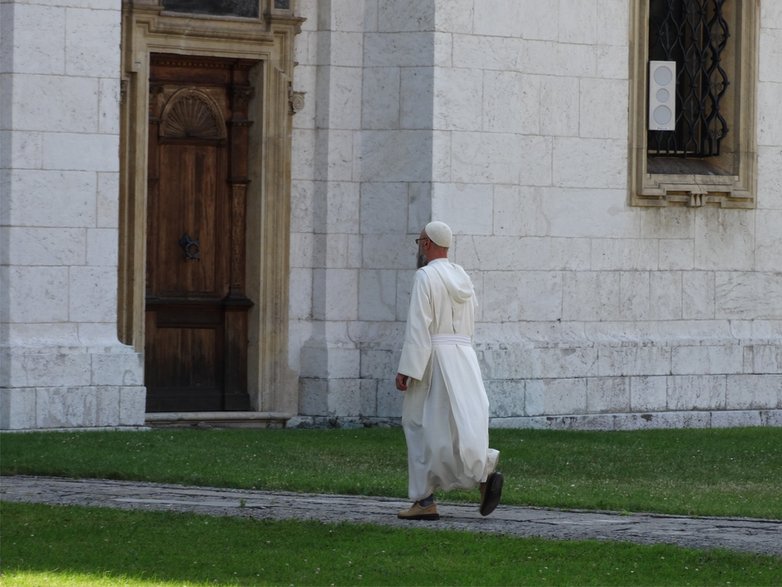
296,100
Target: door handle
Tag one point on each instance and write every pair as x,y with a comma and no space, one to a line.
191,247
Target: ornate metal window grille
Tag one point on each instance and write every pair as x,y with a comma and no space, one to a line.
693,33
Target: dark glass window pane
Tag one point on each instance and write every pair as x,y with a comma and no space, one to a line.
282,4
246,8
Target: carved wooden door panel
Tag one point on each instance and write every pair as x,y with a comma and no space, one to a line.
196,309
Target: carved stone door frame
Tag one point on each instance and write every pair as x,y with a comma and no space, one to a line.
268,40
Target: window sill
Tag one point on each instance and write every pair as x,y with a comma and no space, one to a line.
693,190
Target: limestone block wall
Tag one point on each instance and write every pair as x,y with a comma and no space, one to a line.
361,180
605,311
60,362
510,122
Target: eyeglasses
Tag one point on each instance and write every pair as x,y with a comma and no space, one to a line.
418,241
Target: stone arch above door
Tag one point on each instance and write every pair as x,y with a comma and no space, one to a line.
267,41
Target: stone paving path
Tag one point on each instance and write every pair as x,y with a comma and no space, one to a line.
740,534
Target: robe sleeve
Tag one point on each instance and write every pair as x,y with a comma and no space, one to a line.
417,347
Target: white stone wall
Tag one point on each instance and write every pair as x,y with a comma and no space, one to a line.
62,365
509,121
361,168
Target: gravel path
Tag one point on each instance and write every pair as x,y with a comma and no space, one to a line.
740,534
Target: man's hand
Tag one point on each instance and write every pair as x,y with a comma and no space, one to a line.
401,381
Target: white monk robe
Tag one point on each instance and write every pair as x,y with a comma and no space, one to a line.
445,414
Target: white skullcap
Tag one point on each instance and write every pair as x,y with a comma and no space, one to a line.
440,233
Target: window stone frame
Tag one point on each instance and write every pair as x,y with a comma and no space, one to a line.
689,187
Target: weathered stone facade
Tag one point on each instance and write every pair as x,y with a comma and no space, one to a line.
509,120
62,365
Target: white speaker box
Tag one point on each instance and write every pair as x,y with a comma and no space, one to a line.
662,95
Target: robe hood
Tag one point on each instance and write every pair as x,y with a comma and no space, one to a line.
457,282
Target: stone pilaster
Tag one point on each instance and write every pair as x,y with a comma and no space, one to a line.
61,364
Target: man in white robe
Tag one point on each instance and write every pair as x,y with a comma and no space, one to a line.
445,413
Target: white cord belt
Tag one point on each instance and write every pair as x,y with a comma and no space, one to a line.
451,339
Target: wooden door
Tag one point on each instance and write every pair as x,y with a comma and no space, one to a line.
196,308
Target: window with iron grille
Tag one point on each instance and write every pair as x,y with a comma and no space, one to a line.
704,152
694,34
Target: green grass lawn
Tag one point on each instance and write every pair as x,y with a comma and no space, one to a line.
705,472
733,472
51,545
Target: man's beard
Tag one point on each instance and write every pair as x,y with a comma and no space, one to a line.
422,261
